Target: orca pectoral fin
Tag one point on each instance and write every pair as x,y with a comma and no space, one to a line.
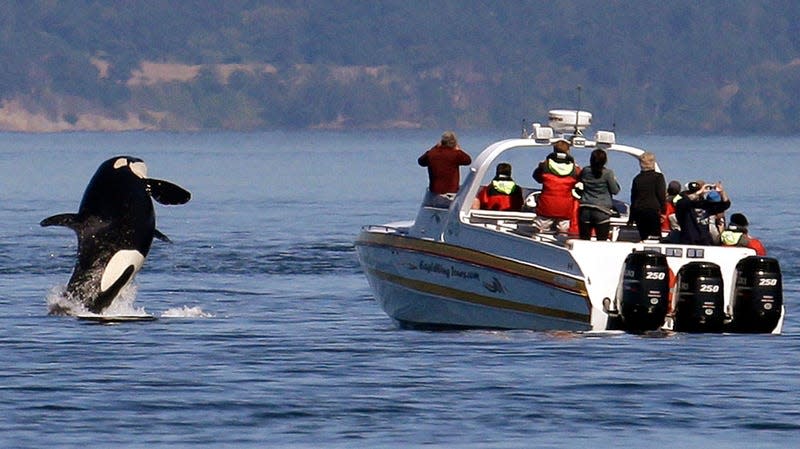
67,220
167,193
160,235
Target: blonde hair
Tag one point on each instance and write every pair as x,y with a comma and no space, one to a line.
647,161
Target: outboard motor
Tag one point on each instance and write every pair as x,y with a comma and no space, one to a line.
699,300
757,301
643,295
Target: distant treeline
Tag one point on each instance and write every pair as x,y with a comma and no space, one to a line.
682,66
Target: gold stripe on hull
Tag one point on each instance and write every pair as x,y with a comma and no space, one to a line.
558,281
474,298
466,255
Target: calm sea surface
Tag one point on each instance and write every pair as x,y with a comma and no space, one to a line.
268,335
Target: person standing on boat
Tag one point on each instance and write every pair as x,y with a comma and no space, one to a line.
694,229
558,174
443,162
599,184
736,234
668,221
648,197
502,193
715,222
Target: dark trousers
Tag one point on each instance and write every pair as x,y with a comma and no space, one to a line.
648,221
593,219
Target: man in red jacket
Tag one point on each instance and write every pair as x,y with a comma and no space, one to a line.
443,162
558,174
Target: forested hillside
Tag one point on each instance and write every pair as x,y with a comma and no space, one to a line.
681,66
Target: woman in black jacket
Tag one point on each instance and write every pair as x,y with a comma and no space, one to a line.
648,195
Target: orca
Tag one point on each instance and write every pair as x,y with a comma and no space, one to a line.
115,225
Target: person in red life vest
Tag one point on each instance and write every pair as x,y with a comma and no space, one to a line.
443,162
668,220
558,174
670,229
736,234
502,193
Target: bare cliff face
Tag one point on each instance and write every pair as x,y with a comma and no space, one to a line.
15,116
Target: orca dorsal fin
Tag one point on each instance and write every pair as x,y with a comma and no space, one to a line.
67,220
167,193
160,235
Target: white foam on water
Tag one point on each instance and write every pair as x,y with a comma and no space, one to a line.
61,304
58,303
123,304
186,312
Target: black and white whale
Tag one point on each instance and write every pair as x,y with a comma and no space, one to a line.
115,225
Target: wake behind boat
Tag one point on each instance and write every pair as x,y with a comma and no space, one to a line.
467,267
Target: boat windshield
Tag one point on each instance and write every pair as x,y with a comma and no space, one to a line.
524,160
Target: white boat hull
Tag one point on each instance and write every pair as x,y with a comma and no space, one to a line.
424,283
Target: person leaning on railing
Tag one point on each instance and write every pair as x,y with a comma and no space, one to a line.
443,162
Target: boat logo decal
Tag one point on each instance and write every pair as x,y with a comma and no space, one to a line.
449,272
495,286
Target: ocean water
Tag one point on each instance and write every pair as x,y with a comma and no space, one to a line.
268,336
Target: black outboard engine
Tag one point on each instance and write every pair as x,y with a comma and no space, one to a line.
643,296
757,301
699,300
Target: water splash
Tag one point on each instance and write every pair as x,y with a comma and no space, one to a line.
123,304
61,304
186,312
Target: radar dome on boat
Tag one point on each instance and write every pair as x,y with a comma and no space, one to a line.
566,120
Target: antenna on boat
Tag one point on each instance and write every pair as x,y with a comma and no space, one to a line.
578,113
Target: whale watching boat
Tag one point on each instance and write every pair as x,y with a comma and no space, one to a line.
464,267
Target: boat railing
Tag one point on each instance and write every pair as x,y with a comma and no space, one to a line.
503,216
514,222
385,229
520,223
